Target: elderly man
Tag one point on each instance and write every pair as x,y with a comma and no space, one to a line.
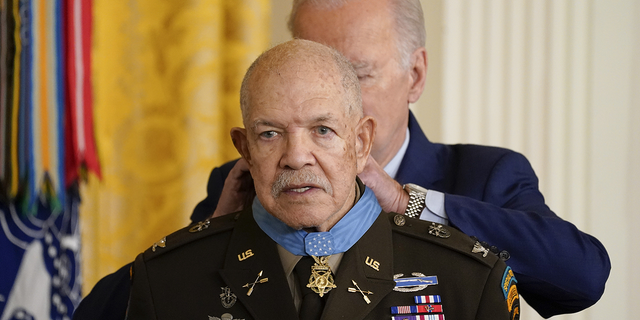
305,141
486,192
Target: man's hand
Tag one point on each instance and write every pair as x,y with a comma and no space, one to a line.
237,192
391,196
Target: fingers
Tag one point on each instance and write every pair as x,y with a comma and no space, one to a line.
389,192
237,191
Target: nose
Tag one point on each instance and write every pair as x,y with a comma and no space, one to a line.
298,152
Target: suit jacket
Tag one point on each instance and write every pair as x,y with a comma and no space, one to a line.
185,279
492,193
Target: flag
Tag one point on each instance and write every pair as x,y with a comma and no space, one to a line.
44,145
40,262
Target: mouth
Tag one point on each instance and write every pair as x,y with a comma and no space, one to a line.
299,189
299,183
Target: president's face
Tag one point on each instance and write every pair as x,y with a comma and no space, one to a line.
303,147
364,32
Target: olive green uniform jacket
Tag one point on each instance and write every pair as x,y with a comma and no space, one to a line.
186,275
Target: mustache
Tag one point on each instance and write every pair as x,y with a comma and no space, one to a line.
288,178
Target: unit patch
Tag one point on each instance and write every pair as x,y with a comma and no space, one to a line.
510,292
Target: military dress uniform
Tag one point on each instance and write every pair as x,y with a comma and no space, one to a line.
228,268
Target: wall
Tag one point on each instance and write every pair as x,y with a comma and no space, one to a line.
557,81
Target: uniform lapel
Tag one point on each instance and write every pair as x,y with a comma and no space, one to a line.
370,264
252,251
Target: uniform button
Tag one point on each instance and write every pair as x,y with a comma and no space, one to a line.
399,220
504,255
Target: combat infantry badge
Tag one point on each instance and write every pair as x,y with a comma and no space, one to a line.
412,284
321,280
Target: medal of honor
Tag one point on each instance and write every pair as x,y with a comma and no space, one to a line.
321,280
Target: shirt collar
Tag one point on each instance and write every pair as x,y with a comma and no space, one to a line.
340,238
394,165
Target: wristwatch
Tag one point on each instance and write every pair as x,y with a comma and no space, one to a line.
417,195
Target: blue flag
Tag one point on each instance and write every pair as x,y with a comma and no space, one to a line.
40,262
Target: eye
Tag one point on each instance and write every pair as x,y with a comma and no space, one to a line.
322,130
268,134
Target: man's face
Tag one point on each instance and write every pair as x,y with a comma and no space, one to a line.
302,146
364,32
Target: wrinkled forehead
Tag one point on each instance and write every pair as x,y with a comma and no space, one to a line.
297,83
299,67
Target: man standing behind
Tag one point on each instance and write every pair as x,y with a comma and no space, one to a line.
305,141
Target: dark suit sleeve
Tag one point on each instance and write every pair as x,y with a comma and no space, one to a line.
108,298
206,207
559,268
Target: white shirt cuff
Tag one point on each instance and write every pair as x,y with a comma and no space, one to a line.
434,210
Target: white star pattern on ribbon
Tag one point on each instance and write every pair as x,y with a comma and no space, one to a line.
319,244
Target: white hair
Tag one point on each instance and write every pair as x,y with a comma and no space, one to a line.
409,23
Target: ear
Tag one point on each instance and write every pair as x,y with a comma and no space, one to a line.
240,141
365,133
418,74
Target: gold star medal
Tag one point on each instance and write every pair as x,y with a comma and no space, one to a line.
321,280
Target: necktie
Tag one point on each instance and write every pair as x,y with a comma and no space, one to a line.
312,304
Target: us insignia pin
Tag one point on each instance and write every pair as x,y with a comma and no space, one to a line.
375,265
412,284
247,254
227,297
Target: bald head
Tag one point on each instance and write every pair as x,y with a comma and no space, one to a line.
303,56
305,137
